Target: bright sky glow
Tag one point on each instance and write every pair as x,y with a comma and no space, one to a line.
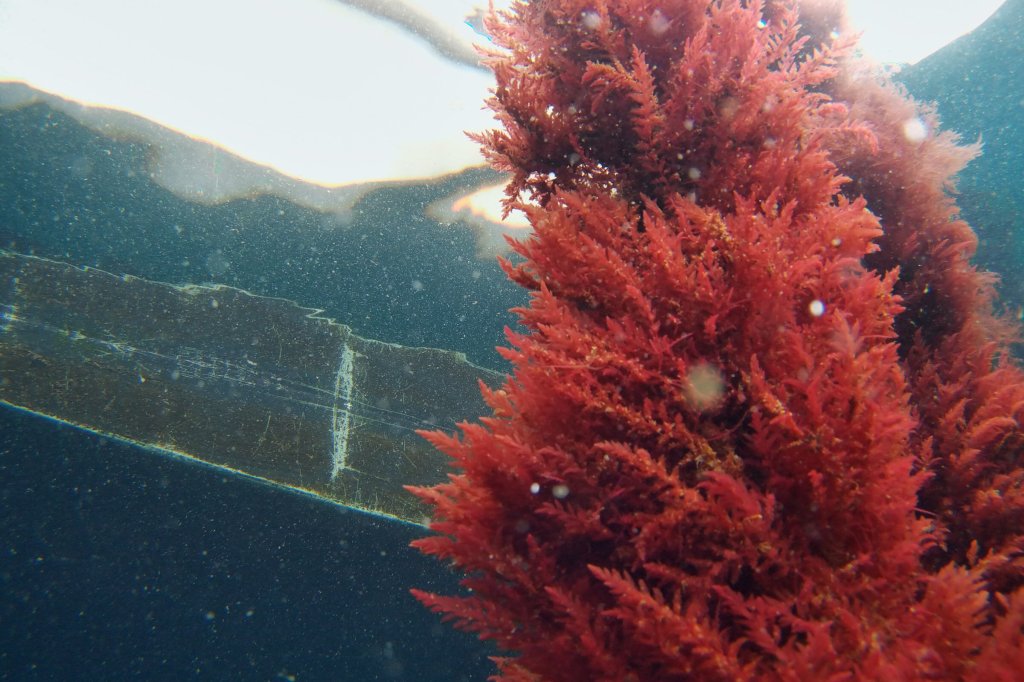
906,31
315,88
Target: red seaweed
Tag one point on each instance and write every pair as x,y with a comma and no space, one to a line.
763,422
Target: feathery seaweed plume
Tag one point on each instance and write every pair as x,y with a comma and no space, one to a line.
763,424
967,393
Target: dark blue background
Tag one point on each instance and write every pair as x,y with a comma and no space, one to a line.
117,562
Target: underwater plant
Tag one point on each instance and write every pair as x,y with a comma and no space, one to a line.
763,422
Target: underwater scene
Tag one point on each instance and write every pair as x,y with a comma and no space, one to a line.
556,340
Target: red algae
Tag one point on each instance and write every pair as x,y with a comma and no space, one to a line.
763,423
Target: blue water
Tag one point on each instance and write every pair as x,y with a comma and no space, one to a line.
978,84
118,562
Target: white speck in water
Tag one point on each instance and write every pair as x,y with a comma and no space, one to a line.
915,130
659,23
705,386
590,20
